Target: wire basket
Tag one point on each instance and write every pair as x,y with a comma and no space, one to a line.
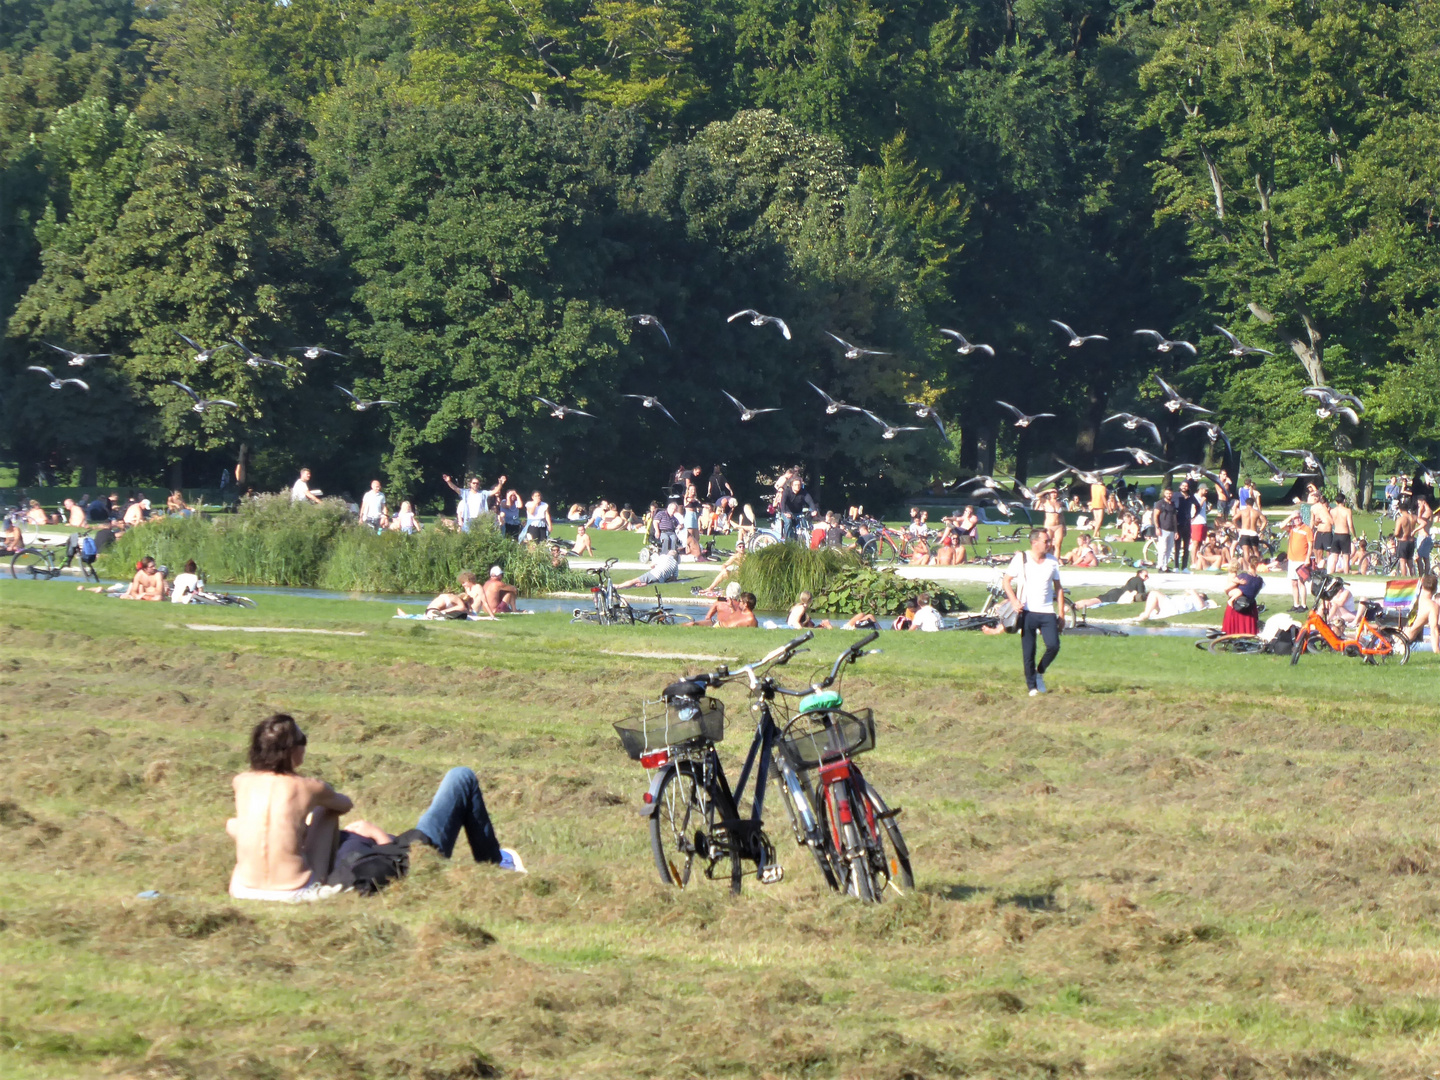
816,737
681,721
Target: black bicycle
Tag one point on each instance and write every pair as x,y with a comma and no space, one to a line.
660,615
695,816
610,607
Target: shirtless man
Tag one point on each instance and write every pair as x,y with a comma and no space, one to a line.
147,584
745,616
287,826
496,596
1323,522
1342,523
1249,524
1083,554
1054,518
729,610
1427,613
1424,517
1405,526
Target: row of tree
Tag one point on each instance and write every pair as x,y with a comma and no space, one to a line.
468,198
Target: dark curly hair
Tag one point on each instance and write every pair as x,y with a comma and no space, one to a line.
273,743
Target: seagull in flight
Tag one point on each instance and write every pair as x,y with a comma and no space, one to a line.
201,404
1279,475
314,352
1192,472
202,355
1330,403
1312,462
1021,419
1096,476
1427,475
1164,344
651,320
1136,423
832,405
361,406
756,319
1212,432
558,411
1142,457
1238,347
927,412
1076,340
652,403
966,348
890,429
854,352
745,414
1174,401
77,359
256,361
55,381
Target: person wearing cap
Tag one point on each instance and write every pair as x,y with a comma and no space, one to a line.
725,610
496,596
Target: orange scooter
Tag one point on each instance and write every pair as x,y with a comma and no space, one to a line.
1373,643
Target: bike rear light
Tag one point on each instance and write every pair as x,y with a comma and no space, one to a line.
649,798
836,770
594,588
655,759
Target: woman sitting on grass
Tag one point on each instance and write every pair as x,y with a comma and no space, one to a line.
287,826
14,538
405,520
175,505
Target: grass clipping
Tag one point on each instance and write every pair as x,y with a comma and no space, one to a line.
836,578
272,541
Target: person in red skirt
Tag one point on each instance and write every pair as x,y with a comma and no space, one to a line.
1242,615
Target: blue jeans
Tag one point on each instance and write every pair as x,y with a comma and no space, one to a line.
1043,623
458,804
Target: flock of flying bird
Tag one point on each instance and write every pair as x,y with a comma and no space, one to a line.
1329,403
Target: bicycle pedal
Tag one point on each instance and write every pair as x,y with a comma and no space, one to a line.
772,874
894,811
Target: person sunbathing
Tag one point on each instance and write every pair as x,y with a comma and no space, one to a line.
582,545
14,538
287,831
498,596
726,610
1160,606
148,582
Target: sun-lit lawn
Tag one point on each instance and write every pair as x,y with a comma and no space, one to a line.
1175,865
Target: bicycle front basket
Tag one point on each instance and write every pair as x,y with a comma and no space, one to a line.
816,737
682,721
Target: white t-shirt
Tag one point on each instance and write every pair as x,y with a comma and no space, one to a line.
1040,580
300,491
185,585
471,504
372,506
927,618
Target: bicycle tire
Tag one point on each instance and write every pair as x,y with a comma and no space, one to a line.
682,796
824,857
1302,642
1238,644
847,847
32,564
897,870
870,551
1399,645
762,540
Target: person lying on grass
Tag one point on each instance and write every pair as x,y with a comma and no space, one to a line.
1160,606
287,826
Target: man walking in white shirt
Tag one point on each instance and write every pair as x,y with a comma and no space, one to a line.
1038,573
372,506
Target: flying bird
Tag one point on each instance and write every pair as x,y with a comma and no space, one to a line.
1238,347
745,414
1021,419
55,381
651,320
1330,403
927,412
202,355
990,484
1279,475
256,361
1137,423
1174,401
1212,432
854,352
756,319
201,404
1092,476
890,429
832,405
966,348
1426,474
558,411
1312,462
361,406
1192,472
652,403
77,359
1142,457
1076,340
1164,344
314,352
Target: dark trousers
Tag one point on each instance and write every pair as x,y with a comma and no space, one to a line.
1042,622
1182,546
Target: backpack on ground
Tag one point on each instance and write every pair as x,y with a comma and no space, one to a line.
367,867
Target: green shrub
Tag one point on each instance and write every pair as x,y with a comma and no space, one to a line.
272,541
854,589
779,573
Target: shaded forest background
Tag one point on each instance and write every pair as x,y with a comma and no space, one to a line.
467,198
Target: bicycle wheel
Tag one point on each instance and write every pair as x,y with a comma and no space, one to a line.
1235,643
800,805
683,828
892,867
762,540
839,813
870,551
32,564
1399,646
1310,640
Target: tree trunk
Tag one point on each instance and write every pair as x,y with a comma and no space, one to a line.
1022,456
1347,479
177,474
969,446
242,467
1367,485
472,449
985,451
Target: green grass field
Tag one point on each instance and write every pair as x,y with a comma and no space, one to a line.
1174,866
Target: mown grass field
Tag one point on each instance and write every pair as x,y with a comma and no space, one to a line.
1176,865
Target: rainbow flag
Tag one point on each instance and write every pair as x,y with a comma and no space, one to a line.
1400,596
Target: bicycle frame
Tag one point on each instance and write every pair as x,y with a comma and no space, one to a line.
1365,631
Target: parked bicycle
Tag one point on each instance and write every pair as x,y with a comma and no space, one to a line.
695,816
1367,639
660,615
609,606
37,561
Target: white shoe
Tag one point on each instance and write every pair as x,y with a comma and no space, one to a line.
1040,684
510,860
1034,693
